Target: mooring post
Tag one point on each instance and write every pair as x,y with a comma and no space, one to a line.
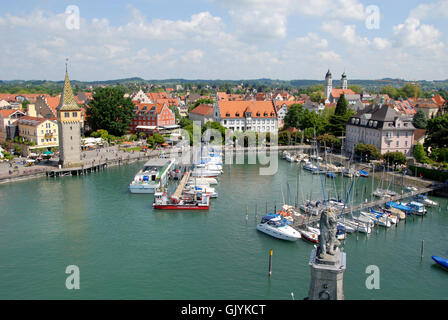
270,263
423,250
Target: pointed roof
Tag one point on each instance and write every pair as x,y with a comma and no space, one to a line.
328,74
67,102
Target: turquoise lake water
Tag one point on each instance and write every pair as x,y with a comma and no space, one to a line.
125,250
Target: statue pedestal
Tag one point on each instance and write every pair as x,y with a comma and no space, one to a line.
327,276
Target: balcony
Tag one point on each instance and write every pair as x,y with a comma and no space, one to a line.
49,135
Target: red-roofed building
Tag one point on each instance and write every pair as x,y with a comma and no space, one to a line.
7,119
403,106
202,112
151,117
258,116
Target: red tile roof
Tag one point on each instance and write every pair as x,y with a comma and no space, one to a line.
154,96
203,110
236,109
336,93
9,112
439,100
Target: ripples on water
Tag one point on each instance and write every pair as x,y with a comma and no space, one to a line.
127,251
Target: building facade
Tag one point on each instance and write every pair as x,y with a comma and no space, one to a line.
256,116
43,132
151,117
8,119
202,113
382,127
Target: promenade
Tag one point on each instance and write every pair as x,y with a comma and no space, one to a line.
18,170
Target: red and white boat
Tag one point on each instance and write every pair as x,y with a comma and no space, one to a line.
310,236
163,202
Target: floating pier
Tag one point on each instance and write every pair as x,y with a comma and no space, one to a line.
77,171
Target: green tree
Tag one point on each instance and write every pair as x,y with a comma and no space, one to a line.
216,126
176,113
184,122
329,140
25,104
394,158
109,110
420,154
437,132
201,101
341,106
317,96
420,121
293,116
367,150
390,91
151,142
158,138
355,88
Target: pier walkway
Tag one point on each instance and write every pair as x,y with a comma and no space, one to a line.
181,186
305,220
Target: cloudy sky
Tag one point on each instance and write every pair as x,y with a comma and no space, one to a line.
224,39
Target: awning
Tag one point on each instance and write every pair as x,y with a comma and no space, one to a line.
174,126
147,127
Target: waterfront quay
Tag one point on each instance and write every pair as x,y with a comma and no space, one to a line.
99,159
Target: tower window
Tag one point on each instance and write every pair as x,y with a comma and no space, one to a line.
75,114
67,114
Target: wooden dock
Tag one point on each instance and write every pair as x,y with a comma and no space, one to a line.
305,220
77,171
181,186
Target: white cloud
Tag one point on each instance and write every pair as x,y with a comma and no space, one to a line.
412,33
193,56
433,10
381,43
347,33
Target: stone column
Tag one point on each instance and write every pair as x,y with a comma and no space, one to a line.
327,276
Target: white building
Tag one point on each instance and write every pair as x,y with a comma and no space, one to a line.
256,116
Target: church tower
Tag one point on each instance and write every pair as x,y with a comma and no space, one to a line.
69,124
344,81
328,85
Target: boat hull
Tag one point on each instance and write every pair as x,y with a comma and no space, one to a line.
179,207
277,234
142,189
441,261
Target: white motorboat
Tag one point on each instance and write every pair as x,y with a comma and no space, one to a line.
310,167
347,228
202,181
358,226
275,226
154,175
417,208
198,189
380,193
378,219
425,200
205,173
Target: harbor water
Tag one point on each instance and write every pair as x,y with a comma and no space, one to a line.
126,250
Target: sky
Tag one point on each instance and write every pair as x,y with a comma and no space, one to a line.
223,39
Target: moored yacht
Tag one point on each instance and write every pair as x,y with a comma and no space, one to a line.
275,226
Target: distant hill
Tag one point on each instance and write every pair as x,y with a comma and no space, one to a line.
54,87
